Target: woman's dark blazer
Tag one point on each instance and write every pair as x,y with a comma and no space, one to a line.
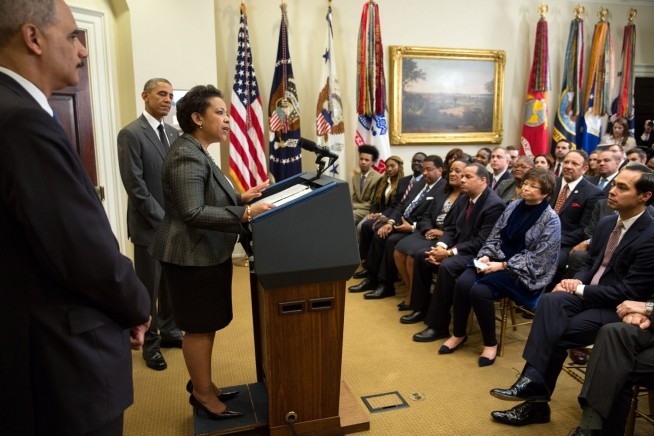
203,212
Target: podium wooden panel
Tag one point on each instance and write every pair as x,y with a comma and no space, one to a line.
304,251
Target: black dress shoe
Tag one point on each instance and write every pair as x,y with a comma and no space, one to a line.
171,343
430,335
155,360
585,432
226,414
224,395
578,356
361,274
365,285
444,349
524,414
524,389
379,293
413,318
403,307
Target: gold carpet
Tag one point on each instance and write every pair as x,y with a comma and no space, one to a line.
378,357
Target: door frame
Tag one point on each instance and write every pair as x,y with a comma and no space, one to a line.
102,80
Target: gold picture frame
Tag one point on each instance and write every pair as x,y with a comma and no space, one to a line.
463,87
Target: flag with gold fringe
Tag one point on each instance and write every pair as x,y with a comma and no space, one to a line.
247,157
622,105
597,90
372,125
330,128
534,138
570,98
284,112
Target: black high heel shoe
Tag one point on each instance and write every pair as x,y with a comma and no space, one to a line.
444,349
226,414
224,396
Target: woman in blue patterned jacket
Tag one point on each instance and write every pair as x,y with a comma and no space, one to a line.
517,261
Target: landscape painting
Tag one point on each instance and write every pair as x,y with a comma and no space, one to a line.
443,96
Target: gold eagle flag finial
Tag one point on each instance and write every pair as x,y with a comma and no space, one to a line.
579,11
632,14
542,10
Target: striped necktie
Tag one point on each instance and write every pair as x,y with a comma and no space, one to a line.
614,240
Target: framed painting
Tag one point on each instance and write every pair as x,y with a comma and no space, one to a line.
446,96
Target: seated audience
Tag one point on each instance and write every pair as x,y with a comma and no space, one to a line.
646,139
364,182
620,135
386,187
499,163
452,155
608,165
574,199
515,261
482,156
623,355
637,155
381,272
560,151
365,229
544,160
509,189
429,229
619,268
474,215
512,152
593,158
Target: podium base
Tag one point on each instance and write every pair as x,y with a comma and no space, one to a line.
253,402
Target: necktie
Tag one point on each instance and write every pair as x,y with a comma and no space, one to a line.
494,183
614,239
469,209
162,135
602,183
557,170
416,201
408,189
361,180
561,198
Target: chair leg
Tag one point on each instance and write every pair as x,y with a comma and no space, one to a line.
513,322
504,314
631,419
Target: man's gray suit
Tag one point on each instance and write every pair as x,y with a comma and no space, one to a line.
140,156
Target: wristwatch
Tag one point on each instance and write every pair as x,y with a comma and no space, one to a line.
649,307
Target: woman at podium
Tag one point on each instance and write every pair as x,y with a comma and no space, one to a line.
203,219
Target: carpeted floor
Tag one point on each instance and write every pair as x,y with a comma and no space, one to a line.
446,394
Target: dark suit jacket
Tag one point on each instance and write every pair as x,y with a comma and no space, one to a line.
506,176
629,274
595,181
469,235
428,221
68,295
140,157
577,210
203,213
422,208
402,184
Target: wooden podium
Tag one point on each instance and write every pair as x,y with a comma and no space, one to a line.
304,251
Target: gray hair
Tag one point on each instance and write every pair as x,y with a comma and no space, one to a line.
14,14
150,84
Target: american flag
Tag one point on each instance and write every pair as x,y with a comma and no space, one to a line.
247,158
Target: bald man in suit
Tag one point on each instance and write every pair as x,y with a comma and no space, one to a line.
142,147
71,303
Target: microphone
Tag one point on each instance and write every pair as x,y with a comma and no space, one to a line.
315,148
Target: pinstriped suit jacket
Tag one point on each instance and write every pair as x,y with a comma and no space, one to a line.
202,211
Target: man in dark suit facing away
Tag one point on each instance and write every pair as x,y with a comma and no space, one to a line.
619,268
142,147
71,303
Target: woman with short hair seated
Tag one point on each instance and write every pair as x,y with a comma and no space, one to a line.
516,261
